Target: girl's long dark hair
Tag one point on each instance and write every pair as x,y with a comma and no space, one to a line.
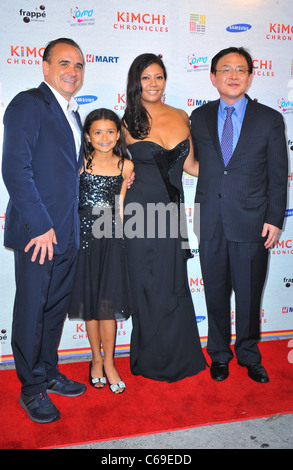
120,147
136,118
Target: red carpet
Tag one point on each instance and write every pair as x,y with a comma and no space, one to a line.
147,406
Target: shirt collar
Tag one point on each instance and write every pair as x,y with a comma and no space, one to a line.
70,105
238,105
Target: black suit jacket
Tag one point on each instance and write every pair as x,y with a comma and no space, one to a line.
252,189
40,170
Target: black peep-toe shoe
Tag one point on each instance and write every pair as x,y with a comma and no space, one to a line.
99,380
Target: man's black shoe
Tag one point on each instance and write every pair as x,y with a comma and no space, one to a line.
219,370
256,372
66,387
39,408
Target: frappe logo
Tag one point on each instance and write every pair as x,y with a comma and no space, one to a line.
39,14
238,28
288,281
3,335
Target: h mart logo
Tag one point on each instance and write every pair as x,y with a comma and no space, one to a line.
287,309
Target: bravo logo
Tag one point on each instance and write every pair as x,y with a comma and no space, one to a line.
81,17
285,105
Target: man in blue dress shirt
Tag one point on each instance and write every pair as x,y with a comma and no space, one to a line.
242,191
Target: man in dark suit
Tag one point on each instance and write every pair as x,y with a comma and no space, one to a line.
242,191
42,157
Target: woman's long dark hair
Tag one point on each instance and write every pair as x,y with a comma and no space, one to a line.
136,118
120,147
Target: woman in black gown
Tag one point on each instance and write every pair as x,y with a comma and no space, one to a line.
165,342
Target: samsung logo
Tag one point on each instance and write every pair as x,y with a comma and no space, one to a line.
289,213
85,99
238,28
200,319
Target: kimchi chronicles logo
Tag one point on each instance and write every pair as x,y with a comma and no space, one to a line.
130,21
280,32
25,55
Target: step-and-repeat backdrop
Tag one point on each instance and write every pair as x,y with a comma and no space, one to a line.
188,34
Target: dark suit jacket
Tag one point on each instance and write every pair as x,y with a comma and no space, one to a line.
252,189
40,170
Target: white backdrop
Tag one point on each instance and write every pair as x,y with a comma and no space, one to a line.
188,33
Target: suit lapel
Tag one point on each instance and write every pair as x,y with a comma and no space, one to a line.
246,129
59,113
212,124
80,159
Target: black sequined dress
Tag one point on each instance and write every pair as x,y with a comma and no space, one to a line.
102,287
165,343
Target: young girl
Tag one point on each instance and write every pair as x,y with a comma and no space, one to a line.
102,287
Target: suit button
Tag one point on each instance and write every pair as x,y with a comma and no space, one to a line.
219,196
225,172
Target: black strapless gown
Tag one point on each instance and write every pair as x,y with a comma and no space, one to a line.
102,289
165,343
